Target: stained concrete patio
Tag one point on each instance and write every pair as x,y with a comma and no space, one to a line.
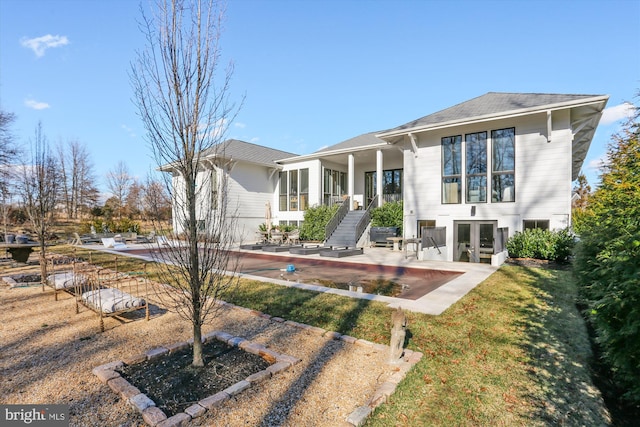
434,302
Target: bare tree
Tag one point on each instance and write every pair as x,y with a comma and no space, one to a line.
118,182
8,154
134,199
40,190
155,201
183,100
78,183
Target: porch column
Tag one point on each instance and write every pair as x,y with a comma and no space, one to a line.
351,179
379,176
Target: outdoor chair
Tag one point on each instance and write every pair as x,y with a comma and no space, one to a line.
277,237
293,237
151,238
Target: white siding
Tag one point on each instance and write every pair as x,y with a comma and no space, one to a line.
542,178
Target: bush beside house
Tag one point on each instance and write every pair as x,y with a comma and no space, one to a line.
542,244
390,214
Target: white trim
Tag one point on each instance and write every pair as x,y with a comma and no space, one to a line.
496,116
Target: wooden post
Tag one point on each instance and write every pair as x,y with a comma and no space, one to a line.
398,333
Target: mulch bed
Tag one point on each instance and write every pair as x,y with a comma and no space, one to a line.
174,384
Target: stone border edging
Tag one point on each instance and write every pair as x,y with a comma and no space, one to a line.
155,417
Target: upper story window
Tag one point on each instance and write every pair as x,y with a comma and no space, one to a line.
476,167
213,179
451,169
475,172
503,161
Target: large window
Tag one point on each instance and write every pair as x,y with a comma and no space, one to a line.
282,200
213,181
475,173
503,161
334,186
391,185
451,169
476,167
294,190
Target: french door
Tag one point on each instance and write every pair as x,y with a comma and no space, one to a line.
474,240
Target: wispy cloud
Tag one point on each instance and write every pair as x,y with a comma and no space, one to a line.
596,164
255,139
239,125
36,105
40,44
128,130
619,112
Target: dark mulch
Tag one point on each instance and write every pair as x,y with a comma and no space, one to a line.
540,263
174,385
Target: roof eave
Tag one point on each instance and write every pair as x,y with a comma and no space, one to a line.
321,154
488,117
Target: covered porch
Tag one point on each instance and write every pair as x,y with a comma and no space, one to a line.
358,170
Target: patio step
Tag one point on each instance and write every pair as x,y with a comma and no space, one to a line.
341,253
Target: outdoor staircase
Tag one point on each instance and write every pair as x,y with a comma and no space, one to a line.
344,235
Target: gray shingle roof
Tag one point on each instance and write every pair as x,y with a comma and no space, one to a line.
247,152
363,140
490,104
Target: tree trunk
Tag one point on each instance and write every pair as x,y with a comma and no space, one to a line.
43,264
198,360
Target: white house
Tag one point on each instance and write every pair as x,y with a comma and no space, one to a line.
478,171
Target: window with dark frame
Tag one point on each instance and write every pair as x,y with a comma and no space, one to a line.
425,223
282,200
503,165
530,224
475,173
294,190
451,169
476,167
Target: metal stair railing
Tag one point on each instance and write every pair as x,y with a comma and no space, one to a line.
366,218
333,224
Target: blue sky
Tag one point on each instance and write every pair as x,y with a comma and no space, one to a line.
315,73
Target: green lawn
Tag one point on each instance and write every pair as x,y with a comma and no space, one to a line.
514,351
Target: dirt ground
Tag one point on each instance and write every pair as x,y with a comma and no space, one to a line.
47,352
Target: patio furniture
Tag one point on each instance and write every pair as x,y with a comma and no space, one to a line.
277,237
293,238
397,242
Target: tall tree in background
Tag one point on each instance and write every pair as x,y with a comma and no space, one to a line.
607,262
580,201
155,201
118,183
8,149
79,191
8,154
39,189
134,199
183,100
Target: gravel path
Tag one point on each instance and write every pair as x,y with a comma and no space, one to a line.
47,353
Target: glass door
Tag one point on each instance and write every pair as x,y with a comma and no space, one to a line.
475,241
